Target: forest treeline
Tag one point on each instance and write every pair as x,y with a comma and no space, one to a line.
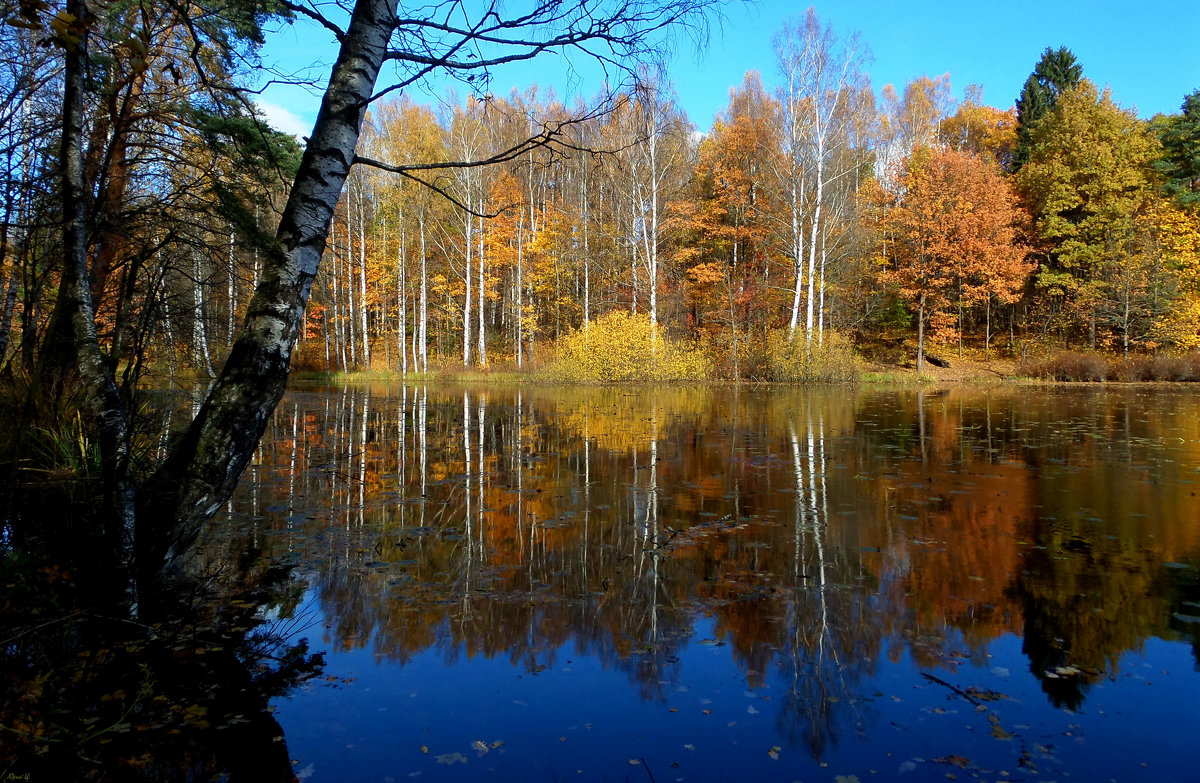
816,218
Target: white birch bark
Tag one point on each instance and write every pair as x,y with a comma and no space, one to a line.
362,279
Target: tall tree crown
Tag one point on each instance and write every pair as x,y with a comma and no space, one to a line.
1056,72
1180,162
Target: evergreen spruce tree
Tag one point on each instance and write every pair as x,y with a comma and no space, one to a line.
1055,72
1180,161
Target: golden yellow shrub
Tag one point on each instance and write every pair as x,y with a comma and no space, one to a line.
624,347
792,361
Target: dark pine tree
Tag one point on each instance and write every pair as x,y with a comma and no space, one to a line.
1055,72
1179,165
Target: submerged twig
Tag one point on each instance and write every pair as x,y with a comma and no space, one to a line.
954,688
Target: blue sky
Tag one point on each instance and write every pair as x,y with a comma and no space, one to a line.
1147,53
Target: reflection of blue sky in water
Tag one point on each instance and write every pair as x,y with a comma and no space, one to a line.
578,720
615,575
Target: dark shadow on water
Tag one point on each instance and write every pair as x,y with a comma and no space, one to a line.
176,689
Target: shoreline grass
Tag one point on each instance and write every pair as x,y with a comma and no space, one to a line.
1068,367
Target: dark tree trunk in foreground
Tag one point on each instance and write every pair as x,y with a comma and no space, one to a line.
71,355
204,467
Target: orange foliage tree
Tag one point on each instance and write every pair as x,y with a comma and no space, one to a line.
950,231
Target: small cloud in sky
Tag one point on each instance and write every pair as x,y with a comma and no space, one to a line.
282,119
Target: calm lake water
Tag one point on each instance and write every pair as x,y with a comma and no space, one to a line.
712,584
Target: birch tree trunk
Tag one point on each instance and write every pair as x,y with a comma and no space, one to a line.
202,359
362,280
351,323
339,346
401,296
424,321
232,290
12,284
466,313
482,338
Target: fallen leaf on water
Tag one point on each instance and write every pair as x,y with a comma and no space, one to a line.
959,761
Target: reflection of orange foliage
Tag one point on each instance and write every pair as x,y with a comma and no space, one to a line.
809,525
963,547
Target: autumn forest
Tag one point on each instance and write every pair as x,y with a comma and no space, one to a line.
819,217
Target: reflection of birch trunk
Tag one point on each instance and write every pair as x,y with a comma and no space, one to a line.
921,425
468,532
585,550
519,451
819,530
347,442
652,542
988,425
815,662
479,462
402,449
401,437
799,521
292,464
422,420
362,458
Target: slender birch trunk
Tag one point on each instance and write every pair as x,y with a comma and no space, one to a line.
362,281
466,313
201,359
401,296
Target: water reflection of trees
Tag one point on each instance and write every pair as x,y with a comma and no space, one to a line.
819,530
1052,520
